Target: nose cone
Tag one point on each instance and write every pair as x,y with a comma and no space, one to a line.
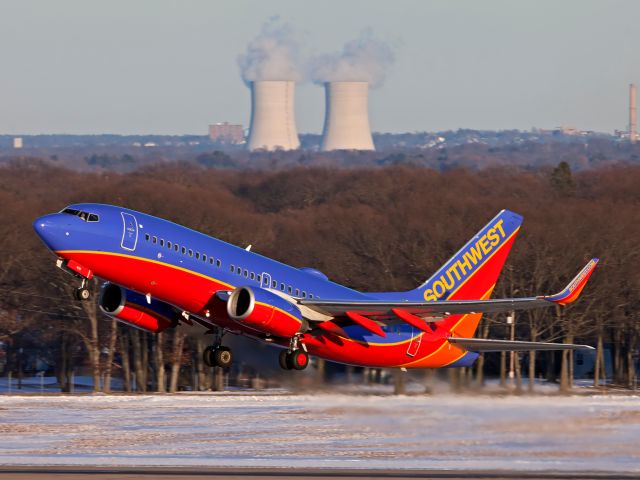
49,230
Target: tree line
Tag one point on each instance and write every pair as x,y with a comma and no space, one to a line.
372,229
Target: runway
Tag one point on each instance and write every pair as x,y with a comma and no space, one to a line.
238,435
41,473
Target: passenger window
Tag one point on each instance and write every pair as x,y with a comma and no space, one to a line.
197,255
304,294
162,242
232,268
311,295
147,237
297,292
289,289
190,253
155,239
218,263
246,272
274,284
259,278
252,276
168,244
282,287
176,247
204,257
184,250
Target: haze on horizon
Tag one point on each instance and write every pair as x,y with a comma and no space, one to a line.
172,67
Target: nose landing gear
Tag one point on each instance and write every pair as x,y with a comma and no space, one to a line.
82,293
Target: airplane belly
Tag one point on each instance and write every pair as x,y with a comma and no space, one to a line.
410,353
174,285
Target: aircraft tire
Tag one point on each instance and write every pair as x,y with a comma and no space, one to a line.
298,360
284,360
223,357
208,356
82,294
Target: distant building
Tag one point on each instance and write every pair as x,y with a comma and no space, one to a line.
226,133
564,130
17,142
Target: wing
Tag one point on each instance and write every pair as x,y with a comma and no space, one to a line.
435,311
487,345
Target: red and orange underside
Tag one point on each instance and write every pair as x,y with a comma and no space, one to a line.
195,292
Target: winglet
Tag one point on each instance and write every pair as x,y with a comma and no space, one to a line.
572,291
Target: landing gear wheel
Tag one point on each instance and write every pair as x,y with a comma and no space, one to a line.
223,357
208,356
298,360
83,294
284,360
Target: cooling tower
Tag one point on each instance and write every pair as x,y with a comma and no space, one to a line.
346,121
273,123
633,114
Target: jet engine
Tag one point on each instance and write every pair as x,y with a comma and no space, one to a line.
266,312
133,309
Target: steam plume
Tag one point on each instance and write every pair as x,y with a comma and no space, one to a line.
365,59
272,55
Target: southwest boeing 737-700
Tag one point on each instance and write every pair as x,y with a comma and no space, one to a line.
159,275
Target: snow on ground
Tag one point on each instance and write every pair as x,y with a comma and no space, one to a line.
585,433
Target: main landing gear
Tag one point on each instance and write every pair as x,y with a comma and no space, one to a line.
295,358
217,355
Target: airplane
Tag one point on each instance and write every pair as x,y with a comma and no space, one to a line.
160,275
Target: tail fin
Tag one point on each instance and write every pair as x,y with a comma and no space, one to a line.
472,272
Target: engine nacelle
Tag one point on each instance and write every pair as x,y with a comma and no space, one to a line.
132,309
265,312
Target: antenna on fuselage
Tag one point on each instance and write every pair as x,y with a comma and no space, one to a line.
248,249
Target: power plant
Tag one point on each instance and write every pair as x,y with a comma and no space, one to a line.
273,124
633,114
346,121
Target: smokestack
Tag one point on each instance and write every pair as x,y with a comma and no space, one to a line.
633,114
273,124
346,121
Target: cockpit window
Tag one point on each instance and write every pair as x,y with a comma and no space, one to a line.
86,216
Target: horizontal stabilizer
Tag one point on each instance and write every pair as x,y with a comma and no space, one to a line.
489,345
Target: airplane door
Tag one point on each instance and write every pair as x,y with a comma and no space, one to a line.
265,280
129,232
414,344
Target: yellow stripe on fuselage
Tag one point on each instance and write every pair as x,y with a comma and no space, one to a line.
170,265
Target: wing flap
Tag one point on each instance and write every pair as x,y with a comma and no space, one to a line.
490,345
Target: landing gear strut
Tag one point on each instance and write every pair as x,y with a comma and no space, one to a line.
217,355
295,358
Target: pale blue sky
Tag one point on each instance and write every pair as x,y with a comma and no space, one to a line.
170,67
